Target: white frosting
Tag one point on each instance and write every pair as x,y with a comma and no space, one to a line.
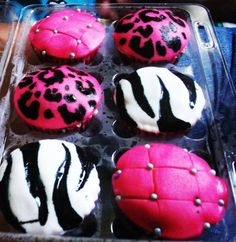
50,157
178,98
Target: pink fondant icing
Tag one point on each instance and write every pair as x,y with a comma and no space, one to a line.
57,98
65,32
151,35
177,178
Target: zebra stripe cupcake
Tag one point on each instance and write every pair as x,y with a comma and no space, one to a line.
49,187
156,100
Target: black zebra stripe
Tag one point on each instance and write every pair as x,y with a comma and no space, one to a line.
167,121
36,187
67,216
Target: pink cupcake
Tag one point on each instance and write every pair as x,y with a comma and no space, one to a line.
168,192
57,99
151,35
67,35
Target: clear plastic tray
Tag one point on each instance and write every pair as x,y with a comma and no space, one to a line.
8,22
106,137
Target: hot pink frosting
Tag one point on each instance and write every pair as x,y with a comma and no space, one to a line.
55,98
168,191
151,35
67,34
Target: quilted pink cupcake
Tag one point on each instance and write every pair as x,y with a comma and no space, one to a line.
68,35
151,35
175,193
57,99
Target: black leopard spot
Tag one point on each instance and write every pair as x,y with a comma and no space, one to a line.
184,35
174,44
26,81
145,32
51,96
85,90
92,103
32,86
137,20
57,77
70,98
71,75
176,20
123,28
70,117
37,94
123,41
146,51
161,49
31,111
48,114
145,18
67,88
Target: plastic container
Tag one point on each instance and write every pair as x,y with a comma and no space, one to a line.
8,22
106,135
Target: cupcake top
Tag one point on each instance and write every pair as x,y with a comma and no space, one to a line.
151,35
176,193
48,187
57,98
67,34
155,100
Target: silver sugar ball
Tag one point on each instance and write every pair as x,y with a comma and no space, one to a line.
149,166
118,172
153,196
221,202
118,197
198,202
44,52
157,231
193,171
213,172
72,55
207,225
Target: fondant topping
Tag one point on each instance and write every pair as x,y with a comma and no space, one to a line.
74,37
57,98
156,100
151,35
168,200
48,187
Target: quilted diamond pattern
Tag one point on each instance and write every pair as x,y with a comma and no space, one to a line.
176,196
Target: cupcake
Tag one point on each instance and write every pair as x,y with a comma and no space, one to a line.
56,99
67,35
175,194
156,100
151,35
49,187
